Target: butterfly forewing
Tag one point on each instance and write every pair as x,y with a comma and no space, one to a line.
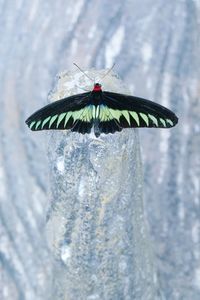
63,114
130,111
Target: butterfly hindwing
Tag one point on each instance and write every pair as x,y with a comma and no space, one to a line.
108,121
130,111
83,120
69,113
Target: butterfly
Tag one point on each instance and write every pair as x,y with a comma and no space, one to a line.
104,111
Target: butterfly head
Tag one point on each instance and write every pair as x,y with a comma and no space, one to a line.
97,87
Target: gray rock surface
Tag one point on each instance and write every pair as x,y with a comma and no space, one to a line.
96,227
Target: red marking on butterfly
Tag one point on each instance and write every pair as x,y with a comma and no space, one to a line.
97,87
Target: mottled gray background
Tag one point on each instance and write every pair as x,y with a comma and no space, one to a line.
156,46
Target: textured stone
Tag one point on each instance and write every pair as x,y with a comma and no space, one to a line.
96,225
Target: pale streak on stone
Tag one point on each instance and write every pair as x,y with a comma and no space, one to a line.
104,202
153,119
145,118
135,117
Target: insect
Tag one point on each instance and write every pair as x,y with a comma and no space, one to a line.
104,111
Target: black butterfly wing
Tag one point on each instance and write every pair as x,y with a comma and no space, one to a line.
112,112
74,112
123,111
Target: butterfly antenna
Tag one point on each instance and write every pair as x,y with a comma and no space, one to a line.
108,71
83,72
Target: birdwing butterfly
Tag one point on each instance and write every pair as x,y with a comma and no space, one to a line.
106,112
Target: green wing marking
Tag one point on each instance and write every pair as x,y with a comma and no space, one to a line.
67,117
145,118
153,119
127,116
45,122
170,122
32,124
116,114
37,124
135,117
52,120
60,119
163,122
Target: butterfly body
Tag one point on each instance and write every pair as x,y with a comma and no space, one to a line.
105,112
